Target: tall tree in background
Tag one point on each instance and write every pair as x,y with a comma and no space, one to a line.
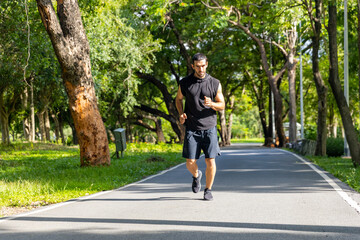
315,21
358,43
12,55
71,46
292,37
274,80
350,131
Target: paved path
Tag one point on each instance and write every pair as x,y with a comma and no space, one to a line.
258,194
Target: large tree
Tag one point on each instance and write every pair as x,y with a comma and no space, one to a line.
71,46
350,131
315,13
236,18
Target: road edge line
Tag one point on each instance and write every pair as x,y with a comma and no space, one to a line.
331,182
79,199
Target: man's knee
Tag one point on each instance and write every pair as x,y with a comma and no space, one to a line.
190,161
210,162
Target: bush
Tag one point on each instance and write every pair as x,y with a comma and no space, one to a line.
311,132
335,147
69,141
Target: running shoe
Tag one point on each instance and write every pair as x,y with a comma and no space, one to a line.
196,184
207,195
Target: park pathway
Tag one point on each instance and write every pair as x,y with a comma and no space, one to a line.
259,193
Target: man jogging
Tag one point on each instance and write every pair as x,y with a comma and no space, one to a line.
203,97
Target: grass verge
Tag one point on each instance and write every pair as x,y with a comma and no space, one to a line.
341,168
33,175
250,140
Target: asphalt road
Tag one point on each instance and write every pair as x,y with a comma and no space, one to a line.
259,193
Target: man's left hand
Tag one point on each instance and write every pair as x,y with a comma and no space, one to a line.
208,102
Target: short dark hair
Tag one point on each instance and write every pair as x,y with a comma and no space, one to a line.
199,57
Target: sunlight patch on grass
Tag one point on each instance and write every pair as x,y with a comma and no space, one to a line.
250,140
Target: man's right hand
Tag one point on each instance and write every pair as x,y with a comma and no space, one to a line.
183,117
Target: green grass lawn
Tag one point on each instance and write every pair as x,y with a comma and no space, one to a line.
250,140
38,174
341,168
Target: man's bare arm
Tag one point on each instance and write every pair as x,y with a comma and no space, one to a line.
219,103
180,107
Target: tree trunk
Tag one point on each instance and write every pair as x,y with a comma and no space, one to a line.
57,127
25,121
40,115
72,49
129,135
223,131
14,135
5,134
358,35
270,131
61,128
350,132
159,131
47,125
320,85
32,111
5,110
278,118
230,122
26,128
75,140
335,127
331,122
322,113
292,85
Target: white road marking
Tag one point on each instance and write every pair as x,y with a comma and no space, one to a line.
57,205
331,182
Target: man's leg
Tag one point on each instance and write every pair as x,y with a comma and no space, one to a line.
192,167
210,172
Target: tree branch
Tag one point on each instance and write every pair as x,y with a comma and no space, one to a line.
156,112
172,69
53,27
281,72
281,48
141,123
183,50
161,86
309,9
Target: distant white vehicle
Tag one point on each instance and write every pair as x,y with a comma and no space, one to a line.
298,129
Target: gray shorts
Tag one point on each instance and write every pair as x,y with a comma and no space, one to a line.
198,140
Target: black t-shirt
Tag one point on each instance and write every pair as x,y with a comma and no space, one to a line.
199,117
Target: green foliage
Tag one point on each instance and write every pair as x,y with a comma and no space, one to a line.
119,48
341,168
246,121
310,132
334,147
49,174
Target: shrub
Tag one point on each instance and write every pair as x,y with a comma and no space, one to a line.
310,132
335,147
